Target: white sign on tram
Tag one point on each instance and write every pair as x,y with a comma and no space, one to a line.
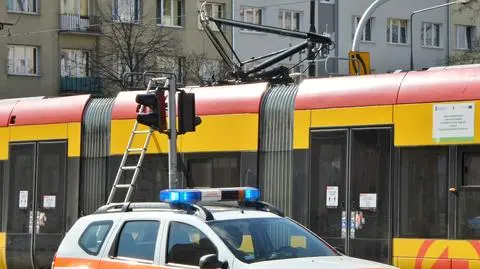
453,122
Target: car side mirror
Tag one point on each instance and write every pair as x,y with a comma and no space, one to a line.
211,261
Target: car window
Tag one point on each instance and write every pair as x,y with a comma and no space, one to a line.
262,239
137,240
92,238
187,244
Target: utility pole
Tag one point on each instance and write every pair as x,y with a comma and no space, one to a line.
310,55
172,135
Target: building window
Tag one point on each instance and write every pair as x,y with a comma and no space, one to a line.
74,7
465,36
251,15
289,19
214,10
22,60
126,10
397,31
170,12
367,30
30,6
74,63
431,34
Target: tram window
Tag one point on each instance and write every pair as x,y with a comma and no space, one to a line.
214,172
423,192
201,172
468,214
226,172
93,237
152,176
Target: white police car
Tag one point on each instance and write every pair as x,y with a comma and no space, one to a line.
197,228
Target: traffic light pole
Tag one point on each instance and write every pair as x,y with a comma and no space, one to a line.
172,152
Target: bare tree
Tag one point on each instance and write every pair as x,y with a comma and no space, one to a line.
131,43
201,70
472,8
472,55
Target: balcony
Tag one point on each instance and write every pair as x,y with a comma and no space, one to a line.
76,23
81,85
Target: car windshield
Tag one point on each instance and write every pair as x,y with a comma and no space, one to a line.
263,239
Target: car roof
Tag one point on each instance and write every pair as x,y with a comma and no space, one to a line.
201,211
237,213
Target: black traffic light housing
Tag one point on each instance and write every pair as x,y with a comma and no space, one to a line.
187,120
155,116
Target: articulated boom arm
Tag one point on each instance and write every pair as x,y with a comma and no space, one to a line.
236,65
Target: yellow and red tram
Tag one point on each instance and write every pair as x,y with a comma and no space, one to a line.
385,167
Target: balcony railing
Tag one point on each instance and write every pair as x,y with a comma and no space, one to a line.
84,85
79,23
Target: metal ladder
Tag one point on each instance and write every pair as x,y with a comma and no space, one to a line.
129,149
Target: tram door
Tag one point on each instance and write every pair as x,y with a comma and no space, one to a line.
468,203
350,200
36,218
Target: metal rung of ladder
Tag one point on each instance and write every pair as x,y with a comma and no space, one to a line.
129,149
133,150
123,186
130,167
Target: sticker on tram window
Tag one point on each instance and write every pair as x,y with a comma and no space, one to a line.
23,199
332,196
49,201
368,200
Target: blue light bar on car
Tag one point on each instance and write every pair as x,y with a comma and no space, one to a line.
213,194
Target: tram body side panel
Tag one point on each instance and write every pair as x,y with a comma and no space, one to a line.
433,253
225,141
4,137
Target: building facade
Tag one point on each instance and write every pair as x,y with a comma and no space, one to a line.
51,46
386,35
277,13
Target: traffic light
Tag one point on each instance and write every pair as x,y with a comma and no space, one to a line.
187,120
155,116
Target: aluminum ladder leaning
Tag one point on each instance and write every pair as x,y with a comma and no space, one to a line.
129,149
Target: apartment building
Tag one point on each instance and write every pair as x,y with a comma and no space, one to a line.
278,13
387,33
386,36
51,46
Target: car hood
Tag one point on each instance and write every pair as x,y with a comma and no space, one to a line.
328,262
